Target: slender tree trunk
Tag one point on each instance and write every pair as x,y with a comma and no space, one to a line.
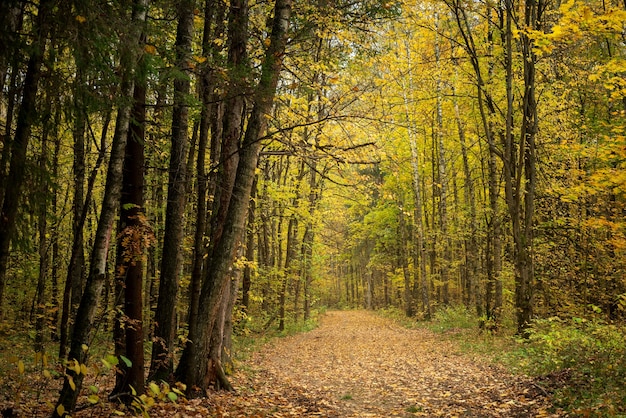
162,364
86,314
44,258
26,118
56,259
77,244
247,272
442,185
420,254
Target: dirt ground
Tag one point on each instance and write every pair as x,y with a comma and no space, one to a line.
357,364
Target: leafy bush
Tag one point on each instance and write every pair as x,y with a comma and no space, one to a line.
583,362
453,318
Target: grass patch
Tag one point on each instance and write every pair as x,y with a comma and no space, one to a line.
413,409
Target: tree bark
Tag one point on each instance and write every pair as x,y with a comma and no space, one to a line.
197,367
162,364
26,118
133,238
86,314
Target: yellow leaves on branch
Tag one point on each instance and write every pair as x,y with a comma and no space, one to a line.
577,20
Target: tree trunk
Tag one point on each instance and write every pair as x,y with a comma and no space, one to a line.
197,365
77,242
419,230
446,260
247,272
86,314
11,20
133,239
208,97
162,364
54,273
26,117
44,258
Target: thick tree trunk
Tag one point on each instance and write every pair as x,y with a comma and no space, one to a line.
208,97
162,364
133,238
86,314
198,364
223,183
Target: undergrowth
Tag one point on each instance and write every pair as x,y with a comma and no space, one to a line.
580,362
583,362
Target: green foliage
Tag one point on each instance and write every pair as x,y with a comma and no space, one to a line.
582,361
453,318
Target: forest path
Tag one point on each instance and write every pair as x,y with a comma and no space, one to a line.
357,364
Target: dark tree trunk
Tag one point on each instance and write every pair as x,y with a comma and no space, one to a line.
133,238
26,118
86,314
213,28
77,243
54,273
11,21
162,365
247,271
198,367
44,255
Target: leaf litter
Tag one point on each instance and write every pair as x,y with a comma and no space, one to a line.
356,364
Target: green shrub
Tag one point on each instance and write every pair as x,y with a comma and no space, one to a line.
453,318
583,362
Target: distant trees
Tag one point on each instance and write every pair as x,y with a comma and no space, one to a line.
503,122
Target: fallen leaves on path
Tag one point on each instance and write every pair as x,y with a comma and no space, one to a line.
357,364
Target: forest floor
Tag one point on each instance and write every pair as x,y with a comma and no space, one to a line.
355,364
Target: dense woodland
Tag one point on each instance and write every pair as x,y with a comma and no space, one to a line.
173,171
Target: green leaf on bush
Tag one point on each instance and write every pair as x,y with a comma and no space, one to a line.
172,396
